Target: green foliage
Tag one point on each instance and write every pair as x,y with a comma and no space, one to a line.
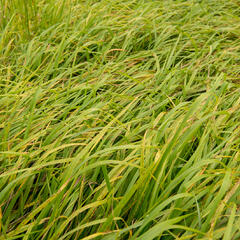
119,119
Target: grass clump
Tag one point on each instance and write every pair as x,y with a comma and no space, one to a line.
119,119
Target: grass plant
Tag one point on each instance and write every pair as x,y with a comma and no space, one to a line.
119,119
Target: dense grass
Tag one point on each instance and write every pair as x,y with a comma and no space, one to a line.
120,119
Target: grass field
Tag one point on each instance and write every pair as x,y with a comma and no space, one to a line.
120,119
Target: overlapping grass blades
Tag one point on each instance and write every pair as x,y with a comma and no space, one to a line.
119,119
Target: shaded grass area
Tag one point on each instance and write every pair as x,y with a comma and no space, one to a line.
119,119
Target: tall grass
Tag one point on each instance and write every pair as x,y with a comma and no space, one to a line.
119,119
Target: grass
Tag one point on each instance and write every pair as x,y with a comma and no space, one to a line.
119,119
